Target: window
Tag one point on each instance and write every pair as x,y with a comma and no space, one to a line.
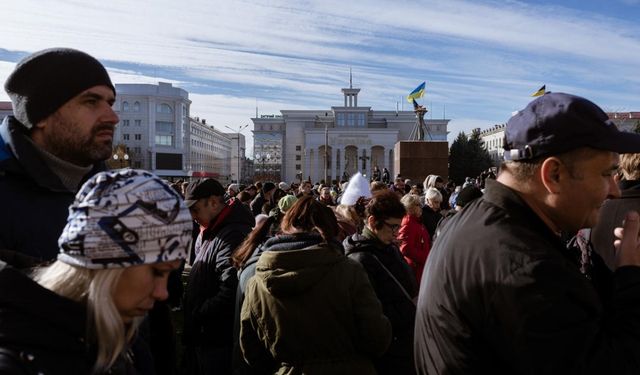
136,106
351,119
137,164
164,140
298,167
298,148
340,119
138,137
164,127
138,122
125,137
298,157
164,108
136,150
361,120
125,106
125,122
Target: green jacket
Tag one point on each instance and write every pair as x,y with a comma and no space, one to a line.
312,311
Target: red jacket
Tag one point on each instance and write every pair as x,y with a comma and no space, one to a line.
415,243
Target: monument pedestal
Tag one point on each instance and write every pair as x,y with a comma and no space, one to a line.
416,160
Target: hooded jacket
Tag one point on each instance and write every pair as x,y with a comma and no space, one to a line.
311,310
210,293
372,254
29,191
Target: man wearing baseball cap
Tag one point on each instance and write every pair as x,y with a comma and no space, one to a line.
209,302
59,135
500,292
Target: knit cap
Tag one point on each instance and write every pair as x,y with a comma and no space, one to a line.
285,203
44,81
125,218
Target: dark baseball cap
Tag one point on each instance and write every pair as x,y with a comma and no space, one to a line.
556,122
199,189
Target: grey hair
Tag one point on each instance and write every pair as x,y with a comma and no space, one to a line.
433,194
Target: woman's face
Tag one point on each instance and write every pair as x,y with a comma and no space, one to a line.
388,231
140,286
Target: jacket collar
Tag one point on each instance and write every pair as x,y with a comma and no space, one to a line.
27,160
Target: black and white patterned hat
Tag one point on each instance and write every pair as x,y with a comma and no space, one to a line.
125,218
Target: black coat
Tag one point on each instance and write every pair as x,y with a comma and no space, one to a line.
209,302
430,220
38,324
397,307
501,295
30,192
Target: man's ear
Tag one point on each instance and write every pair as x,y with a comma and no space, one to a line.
552,172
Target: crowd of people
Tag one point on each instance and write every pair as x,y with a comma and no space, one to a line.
534,268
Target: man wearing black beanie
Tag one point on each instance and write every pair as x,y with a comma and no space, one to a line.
59,135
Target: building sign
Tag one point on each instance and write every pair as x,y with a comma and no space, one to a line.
351,140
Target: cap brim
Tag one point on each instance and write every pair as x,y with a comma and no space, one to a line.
190,202
620,142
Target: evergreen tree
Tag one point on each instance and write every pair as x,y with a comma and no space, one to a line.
467,157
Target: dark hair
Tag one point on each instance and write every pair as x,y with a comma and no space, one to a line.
254,239
279,193
244,196
309,215
383,205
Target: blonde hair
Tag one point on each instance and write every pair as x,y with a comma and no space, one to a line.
95,288
630,166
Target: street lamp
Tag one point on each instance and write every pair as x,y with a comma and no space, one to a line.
123,159
263,158
239,129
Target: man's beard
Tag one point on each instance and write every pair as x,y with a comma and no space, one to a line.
83,152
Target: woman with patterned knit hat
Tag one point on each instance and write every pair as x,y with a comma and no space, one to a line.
126,231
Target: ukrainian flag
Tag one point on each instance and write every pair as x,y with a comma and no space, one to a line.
417,93
540,92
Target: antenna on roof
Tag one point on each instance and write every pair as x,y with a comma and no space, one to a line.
350,79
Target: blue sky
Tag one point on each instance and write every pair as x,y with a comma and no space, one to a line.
481,59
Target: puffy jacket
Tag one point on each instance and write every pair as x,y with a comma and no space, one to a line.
30,192
414,243
210,292
397,306
311,310
501,295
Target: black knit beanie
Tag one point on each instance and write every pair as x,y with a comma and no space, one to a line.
44,81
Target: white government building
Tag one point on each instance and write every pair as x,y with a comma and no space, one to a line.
161,136
291,146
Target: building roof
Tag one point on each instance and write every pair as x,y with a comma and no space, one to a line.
623,115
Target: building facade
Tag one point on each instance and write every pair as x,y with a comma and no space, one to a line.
492,140
238,157
159,134
342,140
154,123
208,152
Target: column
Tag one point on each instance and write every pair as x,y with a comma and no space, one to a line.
334,165
307,156
366,169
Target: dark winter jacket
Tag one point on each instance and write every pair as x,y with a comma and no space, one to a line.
46,332
311,310
397,306
210,293
430,219
29,192
501,295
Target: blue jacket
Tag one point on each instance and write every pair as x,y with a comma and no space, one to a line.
34,202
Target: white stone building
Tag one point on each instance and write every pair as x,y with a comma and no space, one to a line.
291,146
161,136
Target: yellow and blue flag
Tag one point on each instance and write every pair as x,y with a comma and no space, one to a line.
540,92
417,93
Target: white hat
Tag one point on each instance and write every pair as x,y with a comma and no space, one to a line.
284,186
357,187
